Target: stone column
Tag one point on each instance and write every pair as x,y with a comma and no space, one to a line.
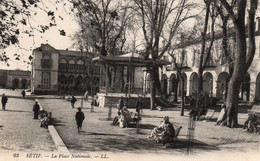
252,91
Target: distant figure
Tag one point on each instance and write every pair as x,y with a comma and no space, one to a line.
120,103
79,119
23,93
73,100
86,96
222,116
4,101
94,102
138,105
36,109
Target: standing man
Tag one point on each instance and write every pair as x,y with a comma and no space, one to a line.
36,109
23,93
4,101
79,119
138,105
73,100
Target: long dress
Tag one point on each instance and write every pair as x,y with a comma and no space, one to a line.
163,132
124,118
36,109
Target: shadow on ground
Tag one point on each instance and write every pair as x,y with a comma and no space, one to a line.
140,145
57,122
18,111
93,133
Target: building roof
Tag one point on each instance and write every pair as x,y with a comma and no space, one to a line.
133,59
48,48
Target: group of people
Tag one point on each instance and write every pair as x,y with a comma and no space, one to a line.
45,117
125,117
163,133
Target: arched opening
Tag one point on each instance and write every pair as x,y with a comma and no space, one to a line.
15,83
184,76
257,89
63,64
24,84
193,84
207,84
71,66
222,85
71,82
79,84
2,82
63,80
46,80
173,84
245,88
62,84
80,65
173,88
164,85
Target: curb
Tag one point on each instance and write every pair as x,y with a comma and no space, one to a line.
57,140
61,147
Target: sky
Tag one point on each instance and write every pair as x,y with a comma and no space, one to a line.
52,36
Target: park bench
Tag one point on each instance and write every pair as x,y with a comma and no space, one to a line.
255,110
210,113
172,140
135,117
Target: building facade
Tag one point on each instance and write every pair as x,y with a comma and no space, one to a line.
15,79
62,72
216,75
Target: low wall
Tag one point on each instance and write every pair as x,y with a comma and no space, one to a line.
112,100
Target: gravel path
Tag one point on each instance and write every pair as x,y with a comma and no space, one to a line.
20,132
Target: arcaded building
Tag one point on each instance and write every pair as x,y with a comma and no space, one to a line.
15,79
216,75
62,72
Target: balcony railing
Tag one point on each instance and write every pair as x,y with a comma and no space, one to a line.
46,63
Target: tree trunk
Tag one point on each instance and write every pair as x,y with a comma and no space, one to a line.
238,74
182,97
200,83
152,90
232,103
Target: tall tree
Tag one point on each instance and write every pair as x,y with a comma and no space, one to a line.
102,23
243,57
160,18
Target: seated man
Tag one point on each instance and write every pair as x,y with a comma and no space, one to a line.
251,123
164,132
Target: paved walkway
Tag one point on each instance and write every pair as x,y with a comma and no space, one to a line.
20,132
99,136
